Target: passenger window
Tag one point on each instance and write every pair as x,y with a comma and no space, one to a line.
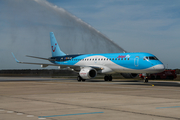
113,59
124,58
121,58
116,59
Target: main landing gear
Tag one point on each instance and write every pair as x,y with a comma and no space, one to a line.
108,78
79,79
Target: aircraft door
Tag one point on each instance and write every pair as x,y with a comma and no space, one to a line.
136,61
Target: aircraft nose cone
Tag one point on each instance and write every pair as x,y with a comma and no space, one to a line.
160,67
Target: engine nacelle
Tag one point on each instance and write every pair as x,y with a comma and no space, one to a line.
88,73
129,75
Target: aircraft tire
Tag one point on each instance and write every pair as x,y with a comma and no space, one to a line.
106,78
146,80
110,78
79,79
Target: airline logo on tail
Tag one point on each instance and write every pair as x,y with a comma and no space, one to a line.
54,47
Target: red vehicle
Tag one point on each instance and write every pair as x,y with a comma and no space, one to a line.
167,74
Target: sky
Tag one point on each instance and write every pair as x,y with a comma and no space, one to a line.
134,25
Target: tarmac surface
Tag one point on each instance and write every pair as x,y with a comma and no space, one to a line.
27,98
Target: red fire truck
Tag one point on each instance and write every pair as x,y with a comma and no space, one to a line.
167,74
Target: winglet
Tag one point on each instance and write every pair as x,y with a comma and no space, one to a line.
15,58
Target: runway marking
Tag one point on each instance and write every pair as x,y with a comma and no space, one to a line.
19,113
147,84
30,115
168,107
69,114
10,111
1,110
130,87
41,118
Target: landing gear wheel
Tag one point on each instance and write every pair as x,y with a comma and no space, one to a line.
79,78
146,80
108,78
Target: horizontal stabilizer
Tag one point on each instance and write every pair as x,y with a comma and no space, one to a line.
45,64
69,67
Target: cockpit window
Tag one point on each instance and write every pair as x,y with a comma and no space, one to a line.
150,58
145,58
153,58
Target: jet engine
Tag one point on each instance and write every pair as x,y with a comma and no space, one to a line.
88,73
129,75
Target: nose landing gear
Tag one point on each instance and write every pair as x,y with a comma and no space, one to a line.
145,77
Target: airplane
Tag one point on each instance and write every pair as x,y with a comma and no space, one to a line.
129,65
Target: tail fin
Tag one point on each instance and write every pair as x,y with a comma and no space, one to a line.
55,49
